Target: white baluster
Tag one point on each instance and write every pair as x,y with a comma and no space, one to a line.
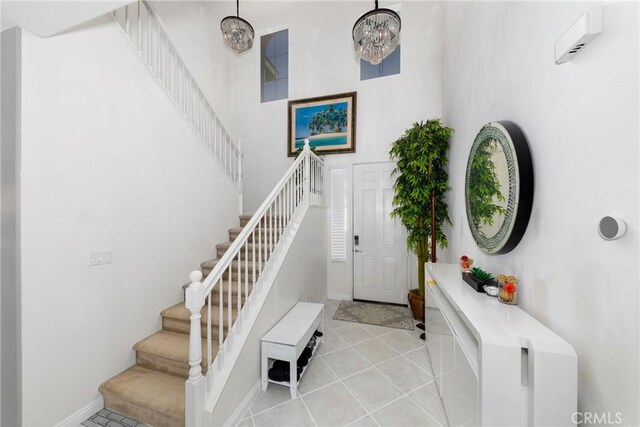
209,332
239,279
307,171
220,315
195,385
240,155
253,257
229,300
259,230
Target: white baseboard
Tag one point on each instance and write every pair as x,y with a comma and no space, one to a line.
242,408
75,419
346,297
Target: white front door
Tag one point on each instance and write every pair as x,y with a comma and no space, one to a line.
379,242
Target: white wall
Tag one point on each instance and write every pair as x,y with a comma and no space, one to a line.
322,62
581,120
107,163
307,253
193,27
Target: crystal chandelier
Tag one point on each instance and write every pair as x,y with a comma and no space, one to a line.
237,33
376,34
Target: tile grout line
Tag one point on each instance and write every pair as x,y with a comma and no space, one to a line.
406,394
375,367
371,366
360,342
347,388
313,420
421,408
398,355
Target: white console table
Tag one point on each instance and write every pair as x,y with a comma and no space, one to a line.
494,364
288,338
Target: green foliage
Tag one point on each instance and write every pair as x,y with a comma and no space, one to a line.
484,186
481,275
327,121
421,157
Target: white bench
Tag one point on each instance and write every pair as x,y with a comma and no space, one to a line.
288,338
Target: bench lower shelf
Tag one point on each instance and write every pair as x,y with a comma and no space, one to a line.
287,340
288,383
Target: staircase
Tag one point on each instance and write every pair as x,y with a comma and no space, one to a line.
152,391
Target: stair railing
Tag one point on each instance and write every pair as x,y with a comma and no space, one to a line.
303,184
146,33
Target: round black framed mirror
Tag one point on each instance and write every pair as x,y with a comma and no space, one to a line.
499,187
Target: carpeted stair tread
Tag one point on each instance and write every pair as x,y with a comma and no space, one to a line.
225,287
176,319
172,346
245,218
226,245
225,292
246,269
180,312
210,264
252,251
150,390
234,232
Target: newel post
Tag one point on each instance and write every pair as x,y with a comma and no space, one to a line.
195,385
307,171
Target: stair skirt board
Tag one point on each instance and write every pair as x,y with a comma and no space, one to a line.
239,337
243,407
75,419
152,391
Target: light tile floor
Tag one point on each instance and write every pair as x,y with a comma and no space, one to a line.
361,375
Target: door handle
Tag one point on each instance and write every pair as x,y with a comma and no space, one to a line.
357,251
356,240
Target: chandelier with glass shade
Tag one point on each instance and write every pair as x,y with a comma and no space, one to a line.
376,34
237,33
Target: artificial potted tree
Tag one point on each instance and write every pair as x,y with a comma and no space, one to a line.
420,187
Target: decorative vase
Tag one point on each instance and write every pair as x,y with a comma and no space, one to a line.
416,302
508,294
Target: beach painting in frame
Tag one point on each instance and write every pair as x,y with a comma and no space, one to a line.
328,122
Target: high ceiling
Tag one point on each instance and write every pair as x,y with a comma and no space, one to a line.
47,18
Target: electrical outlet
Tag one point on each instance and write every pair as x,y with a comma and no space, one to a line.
100,257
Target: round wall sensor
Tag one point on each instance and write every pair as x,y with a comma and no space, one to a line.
611,228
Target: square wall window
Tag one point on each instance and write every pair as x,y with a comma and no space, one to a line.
388,67
274,66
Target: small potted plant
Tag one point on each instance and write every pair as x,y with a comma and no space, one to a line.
477,278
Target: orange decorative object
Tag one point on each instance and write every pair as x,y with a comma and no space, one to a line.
465,263
508,289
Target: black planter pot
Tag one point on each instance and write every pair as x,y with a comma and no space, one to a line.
476,284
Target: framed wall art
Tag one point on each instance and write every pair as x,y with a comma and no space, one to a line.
328,122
